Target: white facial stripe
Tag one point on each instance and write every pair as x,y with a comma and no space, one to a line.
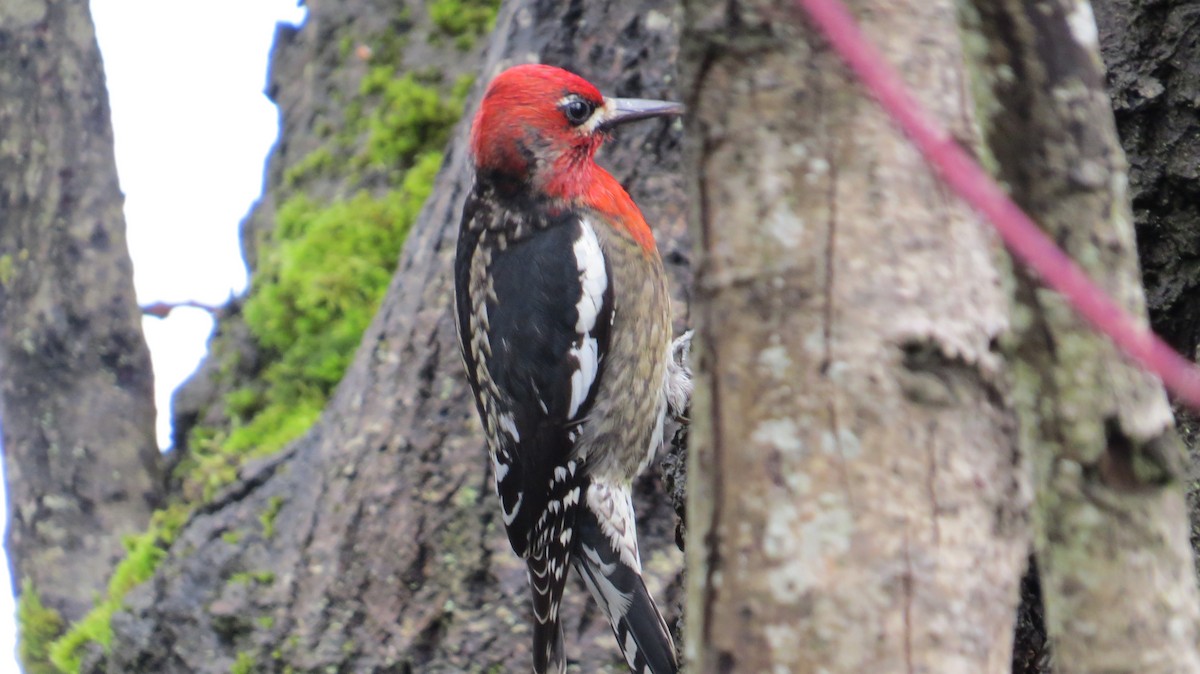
601,113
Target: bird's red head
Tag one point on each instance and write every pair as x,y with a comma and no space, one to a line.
539,127
530,116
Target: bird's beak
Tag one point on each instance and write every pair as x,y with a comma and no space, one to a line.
625,110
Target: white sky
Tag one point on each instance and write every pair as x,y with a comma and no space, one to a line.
193,130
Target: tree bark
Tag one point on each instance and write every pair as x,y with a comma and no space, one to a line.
385,551
76,388
1153,75
1153,68
1110,520
856,498
865,402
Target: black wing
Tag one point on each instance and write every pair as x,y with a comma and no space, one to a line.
534,312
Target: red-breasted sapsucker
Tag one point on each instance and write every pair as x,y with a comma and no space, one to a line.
564,322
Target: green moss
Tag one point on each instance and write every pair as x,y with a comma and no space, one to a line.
269,515
252,578
466,19
38,626
143,553
320,279
206,468
244,664
466,496
265,622
96,627
280,422
8,266
318,286
318,162
7,269
232,537
411,118
244,403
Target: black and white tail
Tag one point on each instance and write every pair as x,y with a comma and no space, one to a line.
607,558
547,564
547,588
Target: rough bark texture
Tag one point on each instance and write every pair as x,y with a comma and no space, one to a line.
1153,59
76,390
1031,650
1110,519
386,552
856,499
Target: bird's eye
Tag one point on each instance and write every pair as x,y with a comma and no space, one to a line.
578,111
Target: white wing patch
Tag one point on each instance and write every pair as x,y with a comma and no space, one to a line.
510,426
510,516
501,471
593,278
583,377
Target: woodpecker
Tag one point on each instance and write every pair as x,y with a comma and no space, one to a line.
563,319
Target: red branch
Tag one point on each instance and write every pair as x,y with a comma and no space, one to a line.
1024,239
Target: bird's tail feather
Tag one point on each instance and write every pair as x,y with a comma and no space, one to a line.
617,585
546,580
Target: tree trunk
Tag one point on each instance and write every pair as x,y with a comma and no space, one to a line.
1153,68
1153,61
374,543
857,501
76,389
866,396
1110,519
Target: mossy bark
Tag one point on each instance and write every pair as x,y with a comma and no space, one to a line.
76,388
373,543
856,498
1110,519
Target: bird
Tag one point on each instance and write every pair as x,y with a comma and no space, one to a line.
564,321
